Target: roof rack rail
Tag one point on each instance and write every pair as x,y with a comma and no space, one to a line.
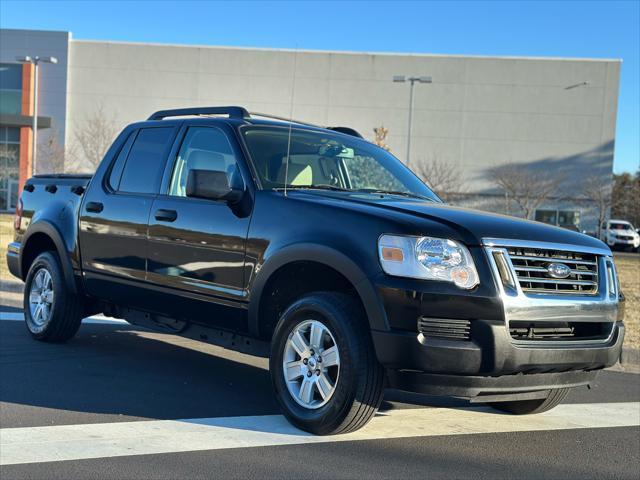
284,119
346,131
241,113
233,112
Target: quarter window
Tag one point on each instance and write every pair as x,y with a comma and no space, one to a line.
118,165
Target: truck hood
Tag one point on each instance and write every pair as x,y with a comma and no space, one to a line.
471,225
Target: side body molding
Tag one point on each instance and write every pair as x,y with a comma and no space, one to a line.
324,255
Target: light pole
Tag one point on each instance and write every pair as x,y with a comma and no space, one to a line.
34,126
412,81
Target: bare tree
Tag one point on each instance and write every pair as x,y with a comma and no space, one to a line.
444,178
94,136
526,188
52,154
381,137
598,189
625,202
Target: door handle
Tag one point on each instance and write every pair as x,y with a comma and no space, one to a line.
94,207
166,215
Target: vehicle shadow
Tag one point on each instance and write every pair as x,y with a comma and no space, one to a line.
122,371
118,372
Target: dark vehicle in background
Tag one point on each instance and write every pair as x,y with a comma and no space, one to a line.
322,251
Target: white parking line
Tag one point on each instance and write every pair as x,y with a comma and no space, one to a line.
97,320
75,442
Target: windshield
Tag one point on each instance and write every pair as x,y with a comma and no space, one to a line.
621,226
321,160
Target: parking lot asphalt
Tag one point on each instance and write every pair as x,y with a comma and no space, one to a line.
122,402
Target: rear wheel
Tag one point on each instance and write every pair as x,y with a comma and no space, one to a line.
51,312
526,407
323,366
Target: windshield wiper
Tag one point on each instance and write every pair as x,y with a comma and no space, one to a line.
393,192
320,186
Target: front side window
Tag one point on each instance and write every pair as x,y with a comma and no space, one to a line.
145,161
203,148
322,160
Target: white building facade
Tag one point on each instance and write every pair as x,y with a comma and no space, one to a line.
540,114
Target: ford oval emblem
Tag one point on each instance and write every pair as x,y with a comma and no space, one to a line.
558,270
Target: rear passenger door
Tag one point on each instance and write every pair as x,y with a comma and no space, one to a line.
115,214
197,246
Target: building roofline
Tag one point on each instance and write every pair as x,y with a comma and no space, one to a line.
347,52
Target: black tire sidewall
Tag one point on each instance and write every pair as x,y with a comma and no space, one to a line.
327,417
50,262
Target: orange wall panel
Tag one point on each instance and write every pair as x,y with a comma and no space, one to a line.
26,135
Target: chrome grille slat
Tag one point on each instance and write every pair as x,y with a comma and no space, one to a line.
543,270
558,260
554,281
530,266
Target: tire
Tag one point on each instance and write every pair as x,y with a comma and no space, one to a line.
357,380
527,407
60,312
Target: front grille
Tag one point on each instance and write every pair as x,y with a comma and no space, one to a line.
444,328
558,331
531,268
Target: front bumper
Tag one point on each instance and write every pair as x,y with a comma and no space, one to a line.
489,358
489,366
490,353
626,242
13,259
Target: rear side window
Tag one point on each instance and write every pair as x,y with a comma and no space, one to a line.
145,161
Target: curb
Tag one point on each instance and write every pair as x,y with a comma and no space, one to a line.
13,286
630,356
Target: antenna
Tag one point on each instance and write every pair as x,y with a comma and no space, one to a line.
293,92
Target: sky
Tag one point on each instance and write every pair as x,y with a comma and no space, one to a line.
588,29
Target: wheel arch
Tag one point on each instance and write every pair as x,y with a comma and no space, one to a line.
322,256
41,237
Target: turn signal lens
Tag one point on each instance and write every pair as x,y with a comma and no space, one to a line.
392,254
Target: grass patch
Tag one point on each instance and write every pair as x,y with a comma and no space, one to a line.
628,267
6,237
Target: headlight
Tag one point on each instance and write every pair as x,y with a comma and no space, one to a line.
427,258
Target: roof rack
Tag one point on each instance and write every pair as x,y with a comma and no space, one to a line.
233,112
240,113
284,119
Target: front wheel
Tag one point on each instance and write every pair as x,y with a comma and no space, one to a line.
51,312
323,365
526,407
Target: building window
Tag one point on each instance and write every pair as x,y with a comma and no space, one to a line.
10,88
561,218
9,167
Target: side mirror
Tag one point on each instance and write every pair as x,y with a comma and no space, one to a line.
214,185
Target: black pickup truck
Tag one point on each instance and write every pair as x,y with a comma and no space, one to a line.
323,252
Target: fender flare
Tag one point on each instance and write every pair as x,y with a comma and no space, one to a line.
44,227
327,256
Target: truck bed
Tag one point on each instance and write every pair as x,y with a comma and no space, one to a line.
53,201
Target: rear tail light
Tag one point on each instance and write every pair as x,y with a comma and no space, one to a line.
17,221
